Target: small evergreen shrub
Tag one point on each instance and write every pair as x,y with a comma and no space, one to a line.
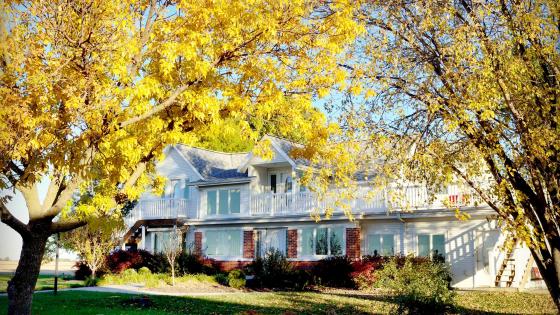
157,263
188,262
221,278
335,272
420,286
275,271
82,271
236,279
91,282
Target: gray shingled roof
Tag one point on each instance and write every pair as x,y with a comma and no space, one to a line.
212,165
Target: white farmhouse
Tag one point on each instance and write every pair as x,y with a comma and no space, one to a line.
237,205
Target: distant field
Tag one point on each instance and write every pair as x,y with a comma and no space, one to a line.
45,282
64,267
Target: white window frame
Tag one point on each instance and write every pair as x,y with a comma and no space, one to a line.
218,214
431,245
381,233
221,257
315,256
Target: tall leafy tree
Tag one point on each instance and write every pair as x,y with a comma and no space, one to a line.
466,90
92,91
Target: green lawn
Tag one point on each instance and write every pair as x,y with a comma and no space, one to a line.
81,302
45,282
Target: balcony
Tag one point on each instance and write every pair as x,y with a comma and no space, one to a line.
270,204
389,199
158,209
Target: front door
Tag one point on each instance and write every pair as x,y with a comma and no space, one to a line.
485,243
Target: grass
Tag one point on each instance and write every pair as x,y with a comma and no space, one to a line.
82,302
44,282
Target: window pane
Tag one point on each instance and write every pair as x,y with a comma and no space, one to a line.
234,243
275,239
336,241
223,205
307,241
388,245
177,189
223,243
373,244
235,201
423,245
211,196
321,245
438,245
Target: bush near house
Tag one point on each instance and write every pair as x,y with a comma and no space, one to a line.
421,286
120,260
276,272
335,271
236,279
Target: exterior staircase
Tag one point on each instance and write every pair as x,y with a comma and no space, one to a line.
506,273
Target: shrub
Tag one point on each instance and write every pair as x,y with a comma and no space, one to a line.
363,273
420,286
157,263
129,273
334,271
188,262
221,278
120,260
236,279
275,271
91,282
82,271
144,271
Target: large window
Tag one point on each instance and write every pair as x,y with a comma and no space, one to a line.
160,239
322,241
380,244
268,239
225,243
223,201
431,245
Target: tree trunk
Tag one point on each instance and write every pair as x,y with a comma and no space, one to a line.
93,271
172,275
22,285
550,270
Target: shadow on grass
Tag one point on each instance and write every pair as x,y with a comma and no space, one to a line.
84,302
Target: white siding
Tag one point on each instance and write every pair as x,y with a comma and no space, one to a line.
383,227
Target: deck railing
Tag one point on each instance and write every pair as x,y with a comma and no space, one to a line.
158,209
388,199
296,203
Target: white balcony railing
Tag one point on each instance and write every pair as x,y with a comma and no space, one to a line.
389,199
157,209
297,203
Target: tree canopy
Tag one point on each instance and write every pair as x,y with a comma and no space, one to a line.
92,91
463,91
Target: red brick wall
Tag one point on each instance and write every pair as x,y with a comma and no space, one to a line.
198,243
248,244
353,243
292,243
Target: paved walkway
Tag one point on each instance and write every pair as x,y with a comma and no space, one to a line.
129,289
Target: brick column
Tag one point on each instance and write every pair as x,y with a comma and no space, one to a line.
292,243
248,244
353,243
198,243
